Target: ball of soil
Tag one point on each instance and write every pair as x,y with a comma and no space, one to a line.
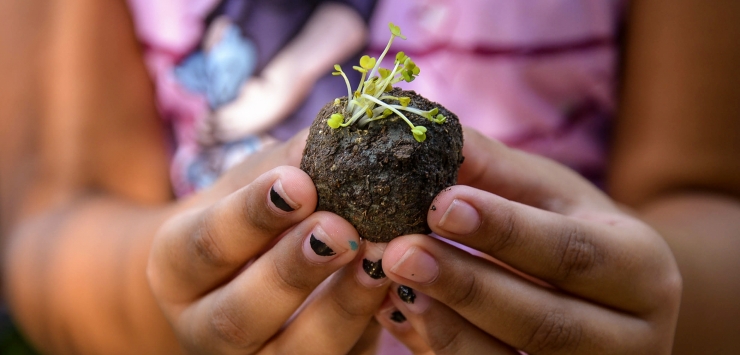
379,177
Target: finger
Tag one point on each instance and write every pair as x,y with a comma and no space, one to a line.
197,251
564,251
339,313
445,331
517,312
395,322
251,308
530,179
368,342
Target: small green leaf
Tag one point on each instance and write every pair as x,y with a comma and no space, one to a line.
404,101
419,133
335,120
395,30
369,112
440,119
384,72
337,67
406,76
367,62
401,57
359,69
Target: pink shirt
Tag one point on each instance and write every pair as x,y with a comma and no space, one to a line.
537,75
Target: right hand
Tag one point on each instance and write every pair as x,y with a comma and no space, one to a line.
229,275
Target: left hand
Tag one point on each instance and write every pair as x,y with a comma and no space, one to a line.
565,271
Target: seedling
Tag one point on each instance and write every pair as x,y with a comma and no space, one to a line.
367,103
375,175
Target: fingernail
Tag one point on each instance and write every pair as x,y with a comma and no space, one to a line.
460,218
374,269
406,294
279,198
318,247
414,301
370,269
416,265
398,317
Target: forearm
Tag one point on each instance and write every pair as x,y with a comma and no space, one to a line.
333,34
704,233
81,268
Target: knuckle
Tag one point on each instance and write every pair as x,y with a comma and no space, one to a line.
445,341
205,244
255,213
465,294
667,290
226,327
555,332
291,280
505,230
351,310
576,254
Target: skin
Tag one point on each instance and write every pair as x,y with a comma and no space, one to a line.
94,245
674,164
611,285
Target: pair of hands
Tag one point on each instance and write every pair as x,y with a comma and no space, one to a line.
561,270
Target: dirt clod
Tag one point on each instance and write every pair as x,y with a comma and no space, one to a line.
379,177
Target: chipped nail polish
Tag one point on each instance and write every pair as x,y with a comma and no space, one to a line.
406,294
279,201
320,248
373,269
398,317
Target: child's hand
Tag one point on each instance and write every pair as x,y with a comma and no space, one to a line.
614,287
229,276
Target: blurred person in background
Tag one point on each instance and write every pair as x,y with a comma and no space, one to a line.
125,235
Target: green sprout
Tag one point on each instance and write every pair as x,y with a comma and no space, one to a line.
367,103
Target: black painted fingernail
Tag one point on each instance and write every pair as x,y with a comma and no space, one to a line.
320,248
279,201
373,269
406,293
398,317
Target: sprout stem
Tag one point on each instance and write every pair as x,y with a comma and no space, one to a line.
381,103
387,81
382,55
356,115
349,90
